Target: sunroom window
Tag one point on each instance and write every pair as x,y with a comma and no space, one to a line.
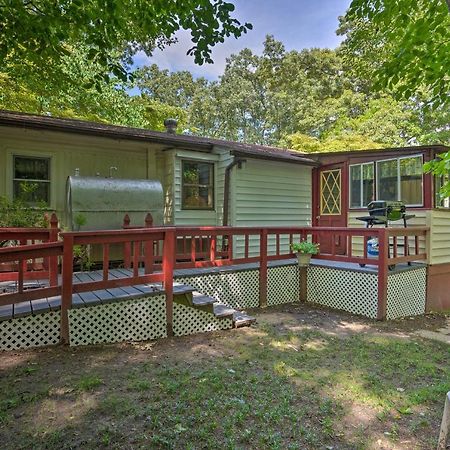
361,185
197,185
401,179
31,182
396,179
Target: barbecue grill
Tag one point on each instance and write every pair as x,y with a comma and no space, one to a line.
381,212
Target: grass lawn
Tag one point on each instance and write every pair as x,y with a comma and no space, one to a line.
302,378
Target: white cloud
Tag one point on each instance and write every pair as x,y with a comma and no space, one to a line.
297,23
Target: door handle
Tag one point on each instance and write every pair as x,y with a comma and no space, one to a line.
317,217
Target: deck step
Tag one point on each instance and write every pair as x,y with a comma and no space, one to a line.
241,319
188,296
222,311
199,299
179,289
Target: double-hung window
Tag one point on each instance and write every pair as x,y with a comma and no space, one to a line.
361,185
197,185
31,182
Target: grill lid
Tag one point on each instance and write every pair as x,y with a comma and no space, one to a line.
390,210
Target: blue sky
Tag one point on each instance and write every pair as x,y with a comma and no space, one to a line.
297,23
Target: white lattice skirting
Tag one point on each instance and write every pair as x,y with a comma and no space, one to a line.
355,292
241,289
145,318
187,320
130,320
236,289
406,293
282,285
30,331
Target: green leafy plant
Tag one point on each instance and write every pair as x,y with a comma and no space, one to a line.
305,247
441,168
82,256
15,213
79,221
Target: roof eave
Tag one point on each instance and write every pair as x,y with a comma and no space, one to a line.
176,141
279,158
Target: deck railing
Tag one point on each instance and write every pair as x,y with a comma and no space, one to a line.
154,253
35,266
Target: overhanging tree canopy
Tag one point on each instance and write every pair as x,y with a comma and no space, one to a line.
34,33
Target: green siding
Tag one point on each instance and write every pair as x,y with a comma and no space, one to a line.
69,151
268,193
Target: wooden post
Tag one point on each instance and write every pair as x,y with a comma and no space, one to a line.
148,221
53,260
212,248
126,245
383,246
230,246
303,280
126,221
168,264
263,268
149,258
22,268
136,255
105,261
66,289
445,425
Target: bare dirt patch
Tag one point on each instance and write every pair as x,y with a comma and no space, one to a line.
301,378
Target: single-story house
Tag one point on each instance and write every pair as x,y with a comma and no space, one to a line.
201,177
216,182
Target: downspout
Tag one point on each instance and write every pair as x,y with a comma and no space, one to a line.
226,192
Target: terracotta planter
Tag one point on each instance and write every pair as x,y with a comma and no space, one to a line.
304,259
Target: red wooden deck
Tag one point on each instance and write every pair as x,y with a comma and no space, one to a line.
152,255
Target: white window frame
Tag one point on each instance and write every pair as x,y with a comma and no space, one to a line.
213,183
399,195
361,183
15,155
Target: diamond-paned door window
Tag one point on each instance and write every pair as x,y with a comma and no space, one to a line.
330,192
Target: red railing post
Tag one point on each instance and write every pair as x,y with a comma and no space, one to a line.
263,268
168,264
148,220
126,221
66,288
149,258
23,268
230,246
105,262
126,245
383,256
53,260
212,248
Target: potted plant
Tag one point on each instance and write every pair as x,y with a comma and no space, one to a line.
304,250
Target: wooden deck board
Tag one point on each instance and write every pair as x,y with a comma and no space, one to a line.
6,312
90,298
77,301
82,277
131,290
118,293
103,294
120,273
40,306
146,289
124,272
22,309
54,302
